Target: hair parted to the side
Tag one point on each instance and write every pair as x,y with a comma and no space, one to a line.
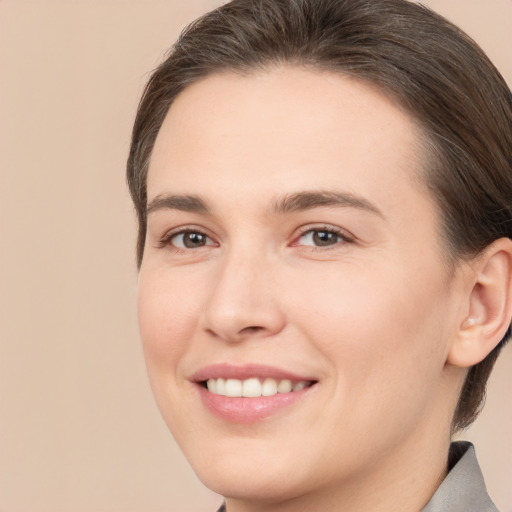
424,62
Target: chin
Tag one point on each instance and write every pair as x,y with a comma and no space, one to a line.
252,482
248,470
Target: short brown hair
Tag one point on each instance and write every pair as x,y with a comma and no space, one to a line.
424,62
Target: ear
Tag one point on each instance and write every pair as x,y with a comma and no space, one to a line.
489,305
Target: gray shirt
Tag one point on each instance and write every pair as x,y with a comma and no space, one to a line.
463,489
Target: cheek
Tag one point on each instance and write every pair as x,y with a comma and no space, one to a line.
373,320
384,344
166,320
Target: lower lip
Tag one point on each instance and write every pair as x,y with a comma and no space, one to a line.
249,410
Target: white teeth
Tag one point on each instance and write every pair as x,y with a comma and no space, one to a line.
285,386
269,387
211,385
298,386
233,387
220,386
253,387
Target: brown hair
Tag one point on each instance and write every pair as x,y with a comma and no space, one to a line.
426,63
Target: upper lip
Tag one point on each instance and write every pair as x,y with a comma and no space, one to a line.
246,371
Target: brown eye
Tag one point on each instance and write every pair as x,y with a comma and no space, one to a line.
320,238
190,240
323,238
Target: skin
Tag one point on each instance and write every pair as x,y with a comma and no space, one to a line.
373,317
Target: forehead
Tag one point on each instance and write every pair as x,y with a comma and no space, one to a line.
284,129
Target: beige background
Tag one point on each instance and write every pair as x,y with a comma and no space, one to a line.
79,431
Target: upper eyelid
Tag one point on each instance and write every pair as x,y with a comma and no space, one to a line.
185,229
168,235
326,227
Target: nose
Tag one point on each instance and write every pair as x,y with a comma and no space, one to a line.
243,303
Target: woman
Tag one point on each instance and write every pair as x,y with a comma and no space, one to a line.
324,195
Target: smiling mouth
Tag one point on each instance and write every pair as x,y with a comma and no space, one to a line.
254,387
244,394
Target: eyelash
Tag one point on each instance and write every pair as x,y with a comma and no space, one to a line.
166,240
344,237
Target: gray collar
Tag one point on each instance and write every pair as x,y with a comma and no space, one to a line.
463,489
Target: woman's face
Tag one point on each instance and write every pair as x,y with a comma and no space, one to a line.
291,244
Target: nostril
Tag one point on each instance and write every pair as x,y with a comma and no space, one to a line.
251,329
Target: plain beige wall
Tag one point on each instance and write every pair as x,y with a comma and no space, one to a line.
79,431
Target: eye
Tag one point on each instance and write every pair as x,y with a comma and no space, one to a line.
189,240
321,237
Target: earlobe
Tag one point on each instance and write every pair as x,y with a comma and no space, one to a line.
489,310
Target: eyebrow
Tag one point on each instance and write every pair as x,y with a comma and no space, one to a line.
307,200
298,201
186,203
